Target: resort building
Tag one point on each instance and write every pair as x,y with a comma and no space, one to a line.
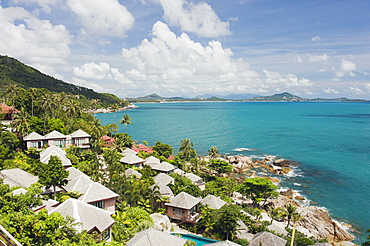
267,238
196,180
90,218
55,151
17,177
131,172
8,112
154,237
78,138
163,178
183,208
213,202
132,160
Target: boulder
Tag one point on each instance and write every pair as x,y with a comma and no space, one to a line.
299,198
273,179
282,163
285,171
319,223
288,193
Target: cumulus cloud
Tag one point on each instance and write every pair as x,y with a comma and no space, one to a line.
354,90
367,86
34,41
347,68
103,18
318,58
94,71
198,18
329,90
176,63
315,39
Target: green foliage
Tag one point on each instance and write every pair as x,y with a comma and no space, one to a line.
220,166
186,149
221,186
213,152
258,189
184,184
9,140
300,239
53,174
241,241
367,243
130,221
163,149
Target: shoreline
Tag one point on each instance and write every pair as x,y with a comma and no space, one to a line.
108,110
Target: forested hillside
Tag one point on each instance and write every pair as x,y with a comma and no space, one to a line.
13,71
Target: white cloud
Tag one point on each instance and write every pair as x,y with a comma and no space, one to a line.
34,41
354,90
367,86
318,58
44,4
315,39
329,90
308,92
169,63
347,68
103,18
198,18
101,71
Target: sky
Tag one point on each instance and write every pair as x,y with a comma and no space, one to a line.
316,48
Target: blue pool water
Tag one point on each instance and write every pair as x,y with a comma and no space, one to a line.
331,141
198,240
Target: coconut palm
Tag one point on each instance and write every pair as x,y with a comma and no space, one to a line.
213,152
126,120
290,212
275,213
21,124
33,93
186,147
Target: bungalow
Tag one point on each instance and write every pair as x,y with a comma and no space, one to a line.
196,180
183,208
93,193
267,238
90,218
152,160
154,237
128,151
18,178
213,202
55,151
163,189
108,141
142,147
8,111
131,172
132,160
163,167
78,138
163,178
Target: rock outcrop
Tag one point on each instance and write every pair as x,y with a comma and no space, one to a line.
319,223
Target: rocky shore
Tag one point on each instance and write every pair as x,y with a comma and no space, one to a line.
316,221
109,110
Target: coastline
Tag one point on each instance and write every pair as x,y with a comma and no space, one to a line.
109,110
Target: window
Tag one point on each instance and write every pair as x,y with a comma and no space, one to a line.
36,145
59,143
99,204
105,234
80,141
178,212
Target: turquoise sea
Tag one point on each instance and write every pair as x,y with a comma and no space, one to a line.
330,140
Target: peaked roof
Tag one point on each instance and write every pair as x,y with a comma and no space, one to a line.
179,171
131,159
128,151
33,136
18,178
142,147
65,161
78,183
8,109
51,149
223,243
154,237
163,167
96,192
80,134
163,189
163,178
192,177
267,238
74,173
130,172
152,160
213,202
19,191
90,216
54,134
183,200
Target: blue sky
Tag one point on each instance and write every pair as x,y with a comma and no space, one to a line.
187,48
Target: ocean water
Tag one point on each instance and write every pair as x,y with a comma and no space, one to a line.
329,140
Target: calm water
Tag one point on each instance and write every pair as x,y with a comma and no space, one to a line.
331,141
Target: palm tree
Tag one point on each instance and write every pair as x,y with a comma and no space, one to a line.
21,124
275,213
95,102
186,147
213,152
126,120
290,212
296,217
32,91
11,92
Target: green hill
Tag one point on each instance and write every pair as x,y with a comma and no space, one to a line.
13,71
285,96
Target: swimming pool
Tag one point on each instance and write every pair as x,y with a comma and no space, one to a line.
199,240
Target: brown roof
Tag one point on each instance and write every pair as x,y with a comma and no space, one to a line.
8,109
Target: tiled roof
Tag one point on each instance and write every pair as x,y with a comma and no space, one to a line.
213,202
142,147
163,189
129,172
78,183
128,151
33,136
96,192
8,109
152,160
51,149
54,135
18,178
74,173
154,237
164,179
90,216
80,134
65,161
193,177
163,167
267,238
183,200
131,159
